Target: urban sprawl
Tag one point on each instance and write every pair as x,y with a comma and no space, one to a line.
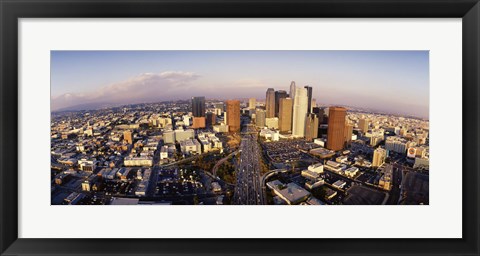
281,150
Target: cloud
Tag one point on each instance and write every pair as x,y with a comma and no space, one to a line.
142,88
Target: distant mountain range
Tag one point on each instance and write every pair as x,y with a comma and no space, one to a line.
89,106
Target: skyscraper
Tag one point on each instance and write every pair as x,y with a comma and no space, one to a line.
309,95
320,113
198,106
211,119
379,156
260,118
292,90
311,127
300,106
363,125
270,103
252,102
348,133
285,114
233,115
336,128
280,94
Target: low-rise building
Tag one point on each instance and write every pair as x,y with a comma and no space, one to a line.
271,122
87,165
334,166
340,184
138,161
310,175
311,184
342,159
318,168
322,153
351,172
270,134
330,193
291,193
221,128
190,147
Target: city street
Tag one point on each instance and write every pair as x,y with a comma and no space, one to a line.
248,190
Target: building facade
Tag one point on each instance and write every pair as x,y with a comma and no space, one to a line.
260,116
252,102
270,103
292,90
199,122
211,119
285,114
348,133
311,127
300,106
309,96
379,156
281,94
198,106
363,125
233,115
336,128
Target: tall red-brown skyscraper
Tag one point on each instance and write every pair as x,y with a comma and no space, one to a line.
233,115
336,128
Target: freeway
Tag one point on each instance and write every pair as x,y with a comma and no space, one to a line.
248,190
265,177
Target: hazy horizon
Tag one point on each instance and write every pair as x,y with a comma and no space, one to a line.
390,81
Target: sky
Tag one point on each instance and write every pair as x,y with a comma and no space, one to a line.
390,81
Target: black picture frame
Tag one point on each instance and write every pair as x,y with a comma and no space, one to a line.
12,10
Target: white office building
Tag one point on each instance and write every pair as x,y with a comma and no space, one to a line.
300,108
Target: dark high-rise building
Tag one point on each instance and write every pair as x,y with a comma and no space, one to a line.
198,106
311,127
233,115
320,113
336,128
281,94
270,103
211,119
292,90
285,114
309,95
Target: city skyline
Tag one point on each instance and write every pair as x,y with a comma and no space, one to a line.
378,80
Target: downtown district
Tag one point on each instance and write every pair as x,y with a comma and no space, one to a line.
284,150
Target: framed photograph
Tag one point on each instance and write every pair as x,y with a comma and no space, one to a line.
226,127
